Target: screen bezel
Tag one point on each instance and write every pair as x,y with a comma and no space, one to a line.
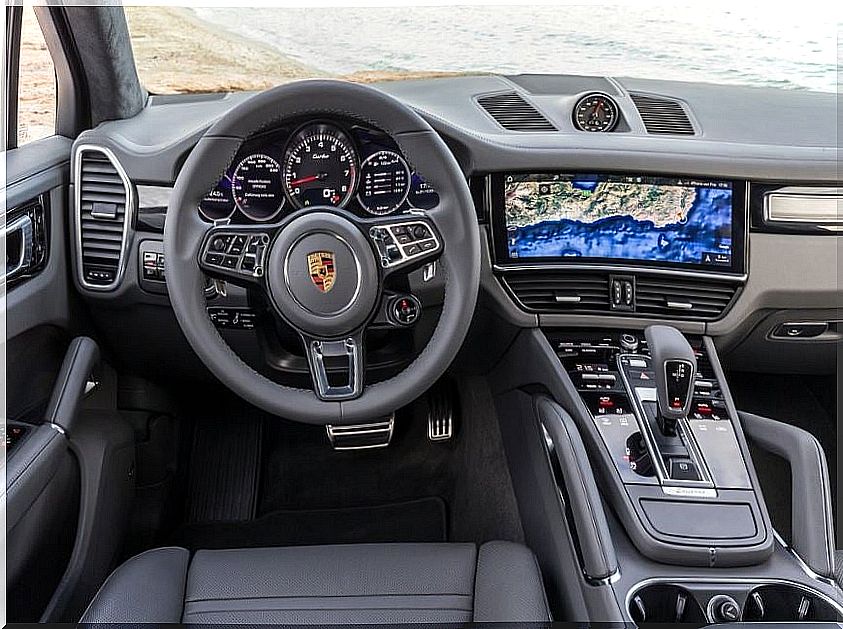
497,210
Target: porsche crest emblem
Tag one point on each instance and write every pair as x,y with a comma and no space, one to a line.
323,273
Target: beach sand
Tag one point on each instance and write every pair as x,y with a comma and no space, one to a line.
175,53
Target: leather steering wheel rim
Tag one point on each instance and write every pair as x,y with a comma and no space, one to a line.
454,218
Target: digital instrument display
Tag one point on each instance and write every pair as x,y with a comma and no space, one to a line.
661,221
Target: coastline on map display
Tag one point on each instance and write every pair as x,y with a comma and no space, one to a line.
600,217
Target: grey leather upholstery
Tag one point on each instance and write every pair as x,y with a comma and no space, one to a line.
838,567
349,584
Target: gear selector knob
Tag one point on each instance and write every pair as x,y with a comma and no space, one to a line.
675,366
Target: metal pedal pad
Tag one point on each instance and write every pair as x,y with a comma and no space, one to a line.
361,436
440,418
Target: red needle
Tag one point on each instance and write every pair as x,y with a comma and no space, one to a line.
301,180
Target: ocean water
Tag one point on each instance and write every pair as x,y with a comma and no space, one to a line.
762,45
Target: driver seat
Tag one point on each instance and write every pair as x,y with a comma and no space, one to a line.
348,584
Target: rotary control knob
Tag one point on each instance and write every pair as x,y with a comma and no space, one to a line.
404,310
723,608
629,342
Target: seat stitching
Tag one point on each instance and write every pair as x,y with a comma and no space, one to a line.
346,596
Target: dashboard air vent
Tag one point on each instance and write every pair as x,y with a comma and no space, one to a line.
514,113
662,115
560,291
683,297
103,205
588,292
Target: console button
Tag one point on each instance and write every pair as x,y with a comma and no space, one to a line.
683,469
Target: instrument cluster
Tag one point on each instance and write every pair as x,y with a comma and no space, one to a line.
319,162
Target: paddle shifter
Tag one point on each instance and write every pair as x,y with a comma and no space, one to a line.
675,366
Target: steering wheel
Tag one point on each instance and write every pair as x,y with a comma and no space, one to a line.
322,269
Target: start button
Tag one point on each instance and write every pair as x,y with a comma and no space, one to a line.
404,310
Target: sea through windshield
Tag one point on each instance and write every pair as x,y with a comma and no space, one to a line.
180,50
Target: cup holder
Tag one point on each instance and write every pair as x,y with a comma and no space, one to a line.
665,603
786,603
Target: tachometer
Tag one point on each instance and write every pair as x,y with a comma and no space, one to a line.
320,167
384,182
257,187
596,112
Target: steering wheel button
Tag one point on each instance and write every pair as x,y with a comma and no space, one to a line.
403,239
230,262
400,230
238,243
220,243
413,250
427,245
420,232
214,258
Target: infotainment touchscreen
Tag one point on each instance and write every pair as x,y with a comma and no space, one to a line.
657,221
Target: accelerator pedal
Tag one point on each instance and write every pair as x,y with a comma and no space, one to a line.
440,413
361,436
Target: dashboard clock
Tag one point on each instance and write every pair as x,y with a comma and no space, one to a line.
596,112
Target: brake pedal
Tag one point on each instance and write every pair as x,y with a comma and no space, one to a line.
361,436
440,418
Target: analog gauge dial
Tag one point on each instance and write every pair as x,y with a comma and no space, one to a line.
422,195
320,167
257,187
219,202
384,182
596,112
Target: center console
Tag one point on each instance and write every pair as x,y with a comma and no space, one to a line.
644,451
666,425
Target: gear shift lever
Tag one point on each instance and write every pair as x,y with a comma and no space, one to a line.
675,366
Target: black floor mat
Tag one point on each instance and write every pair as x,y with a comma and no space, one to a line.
224,466
422,520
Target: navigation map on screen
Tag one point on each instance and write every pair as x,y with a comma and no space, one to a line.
620,218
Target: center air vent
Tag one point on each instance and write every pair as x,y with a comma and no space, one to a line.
588,292
103,205
514,113
662,115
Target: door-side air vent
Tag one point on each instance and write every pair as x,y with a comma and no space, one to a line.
588,292
514,113
103,195
662,115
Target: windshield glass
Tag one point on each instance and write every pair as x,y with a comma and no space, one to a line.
230,49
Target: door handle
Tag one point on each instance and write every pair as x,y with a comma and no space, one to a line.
18,237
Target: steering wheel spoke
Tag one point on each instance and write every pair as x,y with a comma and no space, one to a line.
235,254
337,366
404,243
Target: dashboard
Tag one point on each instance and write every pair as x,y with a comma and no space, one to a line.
712,246
309,163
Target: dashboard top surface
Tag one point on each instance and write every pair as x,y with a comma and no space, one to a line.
753,133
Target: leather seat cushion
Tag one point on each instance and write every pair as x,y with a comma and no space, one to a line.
360,583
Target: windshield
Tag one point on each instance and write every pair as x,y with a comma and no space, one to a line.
231,49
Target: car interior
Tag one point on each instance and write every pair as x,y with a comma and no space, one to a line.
483,348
